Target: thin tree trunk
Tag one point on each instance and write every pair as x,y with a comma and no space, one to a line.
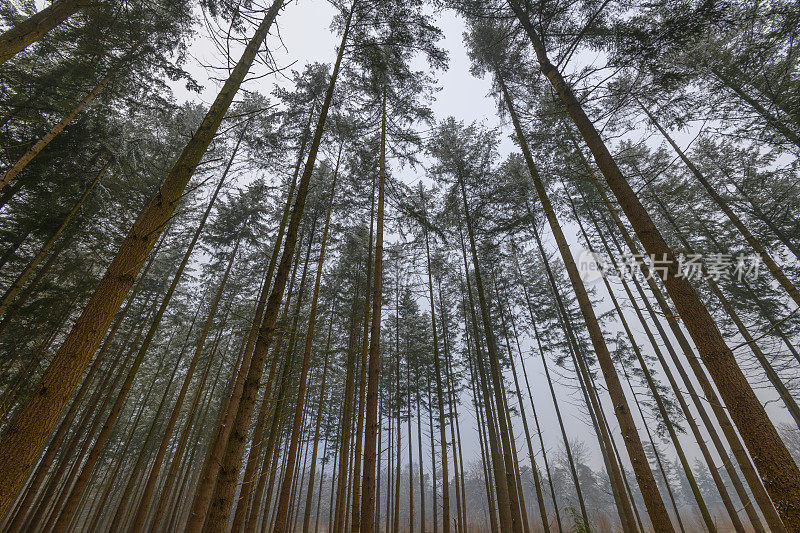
732,474
421,470
339,517
410,455
71,504
660,404
140,517
25,436
310,494
372,423
19,282
438,375
493,526
362,382
283,502
53,446
660,464
535,471
273,449
34,150
644,475
495,452
143,455
759,492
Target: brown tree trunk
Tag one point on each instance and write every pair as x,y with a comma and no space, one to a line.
659,402
644,475
438,375
25,436
34,150
687,383
493,447
749,472
143,456
283,502
30,30
362,382
53,446
19,282
778,469
367,519
238,434
310,493
80,484
339,516
535,471
140,517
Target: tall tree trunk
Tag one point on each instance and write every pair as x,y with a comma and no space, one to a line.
493,527
656,453
144,452
372,423
141,514
687,383
310,493
761,357
238,434
534,470
75,494
495,451
421,470
496,376
410,455
19,282
660,403
280,522
644,475
778,469
564,437
277,402
438,374
340,513
25,436
55,442
34,150
759,492
362,382
458,465
30,30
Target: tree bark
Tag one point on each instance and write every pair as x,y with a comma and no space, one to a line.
438,375
644,475
30,30
283,502
25,436
775,464
34,150
367,520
